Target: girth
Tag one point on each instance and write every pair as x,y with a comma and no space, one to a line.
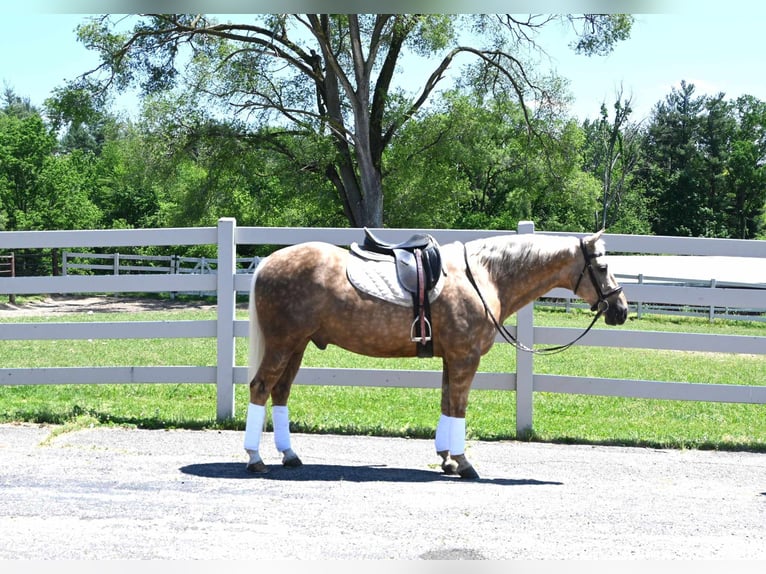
418,268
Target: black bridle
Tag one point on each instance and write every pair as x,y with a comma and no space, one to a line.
599,306
602,297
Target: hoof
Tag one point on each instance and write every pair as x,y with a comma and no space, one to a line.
449,466
464,468
258,467
469,473
292,462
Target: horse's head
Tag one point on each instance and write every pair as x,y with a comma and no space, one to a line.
593,282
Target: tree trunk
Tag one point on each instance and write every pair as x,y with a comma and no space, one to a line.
362,196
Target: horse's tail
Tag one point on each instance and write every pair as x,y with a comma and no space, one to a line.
255,344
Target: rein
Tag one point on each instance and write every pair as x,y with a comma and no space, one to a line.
600,307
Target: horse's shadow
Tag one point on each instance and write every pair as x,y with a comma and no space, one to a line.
337,473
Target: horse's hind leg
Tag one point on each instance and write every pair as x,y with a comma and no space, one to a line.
269,373
280,415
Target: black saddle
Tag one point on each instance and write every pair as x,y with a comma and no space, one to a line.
405,256
418,268
417,241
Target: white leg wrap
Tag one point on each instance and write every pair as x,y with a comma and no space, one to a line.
443,431
281,418
457,437
256,414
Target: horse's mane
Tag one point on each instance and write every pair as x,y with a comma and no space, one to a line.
503,252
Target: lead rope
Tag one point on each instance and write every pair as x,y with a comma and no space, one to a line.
507,334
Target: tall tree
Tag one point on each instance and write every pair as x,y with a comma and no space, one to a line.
746,169
717,132
327,76
672,171
704,167
25,146
613,152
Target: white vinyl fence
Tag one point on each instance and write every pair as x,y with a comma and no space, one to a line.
122,264
226,282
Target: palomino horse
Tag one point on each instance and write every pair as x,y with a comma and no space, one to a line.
301,294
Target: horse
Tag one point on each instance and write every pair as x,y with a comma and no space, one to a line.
301,294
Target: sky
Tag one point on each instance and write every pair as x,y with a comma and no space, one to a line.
715,46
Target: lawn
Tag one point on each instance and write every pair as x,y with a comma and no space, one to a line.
407,412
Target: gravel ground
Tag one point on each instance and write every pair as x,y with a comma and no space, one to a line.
109,493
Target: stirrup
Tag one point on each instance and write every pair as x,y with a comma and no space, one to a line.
420,339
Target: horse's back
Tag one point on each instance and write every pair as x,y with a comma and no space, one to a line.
302,260
301,277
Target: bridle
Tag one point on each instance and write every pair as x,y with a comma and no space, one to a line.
599,306
602,297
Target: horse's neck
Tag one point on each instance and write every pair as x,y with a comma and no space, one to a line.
524,268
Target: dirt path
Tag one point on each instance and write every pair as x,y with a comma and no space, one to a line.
63,305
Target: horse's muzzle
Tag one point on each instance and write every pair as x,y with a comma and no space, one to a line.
617,312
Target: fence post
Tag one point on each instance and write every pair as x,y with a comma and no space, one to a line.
12,296
11,272
226,314
173,271
524,359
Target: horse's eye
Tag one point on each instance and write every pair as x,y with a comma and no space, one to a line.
601,268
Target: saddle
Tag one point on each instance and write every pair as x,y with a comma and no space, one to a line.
418,269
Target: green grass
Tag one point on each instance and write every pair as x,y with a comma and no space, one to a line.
408,412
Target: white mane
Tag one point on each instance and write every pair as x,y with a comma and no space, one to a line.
502,252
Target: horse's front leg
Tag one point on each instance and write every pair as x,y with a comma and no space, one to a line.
442,442
450,432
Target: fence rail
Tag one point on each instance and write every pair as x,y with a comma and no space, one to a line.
121,264
227,281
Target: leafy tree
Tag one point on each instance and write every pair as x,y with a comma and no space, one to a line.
672,172
40,190
205,168
25,145
129,180
61,198
745,173
326,78
704,167
717,129
612,153
473,163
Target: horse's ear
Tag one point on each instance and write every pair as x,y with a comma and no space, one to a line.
595,237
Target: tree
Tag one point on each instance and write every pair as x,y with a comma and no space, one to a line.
473,163
613,153
672,172
322,76
745,173
704,165
25,145
40,190
717,131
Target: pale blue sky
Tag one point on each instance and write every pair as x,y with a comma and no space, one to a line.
712,47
